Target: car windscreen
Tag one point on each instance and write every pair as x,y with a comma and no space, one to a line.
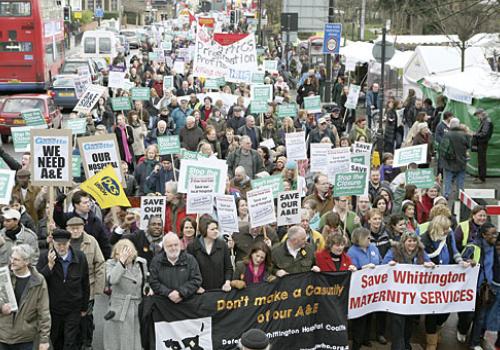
64,83
72,67
16,105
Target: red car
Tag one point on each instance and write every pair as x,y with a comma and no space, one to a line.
12,106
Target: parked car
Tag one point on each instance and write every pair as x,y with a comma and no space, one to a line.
132,38
12,106
70,66
63,91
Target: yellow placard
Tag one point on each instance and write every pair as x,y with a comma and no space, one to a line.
106,189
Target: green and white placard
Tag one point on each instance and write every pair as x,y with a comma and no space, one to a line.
422,178
169,144
350,184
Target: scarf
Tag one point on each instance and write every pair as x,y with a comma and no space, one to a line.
360,132
12,234
252,276
126,150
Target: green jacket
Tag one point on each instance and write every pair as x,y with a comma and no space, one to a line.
32,319
283,260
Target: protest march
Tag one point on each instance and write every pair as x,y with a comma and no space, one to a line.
215,187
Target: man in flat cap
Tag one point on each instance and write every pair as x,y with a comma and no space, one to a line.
254,339
67,274
28,194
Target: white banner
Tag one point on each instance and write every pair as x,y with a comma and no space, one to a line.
226,213
234,62
289,208
51,151
296,145
89,98
152,206
200,194
261,207
413,289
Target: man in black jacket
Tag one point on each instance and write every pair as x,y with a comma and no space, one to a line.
174,273
67,275
93,225
147,243
481,139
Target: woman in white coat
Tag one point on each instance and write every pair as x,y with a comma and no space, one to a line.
126,276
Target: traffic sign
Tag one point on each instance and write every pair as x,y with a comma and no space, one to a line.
377,51
332,36
99,12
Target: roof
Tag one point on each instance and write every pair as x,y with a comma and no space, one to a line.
420,39
473,83
361,52
440,59
488,42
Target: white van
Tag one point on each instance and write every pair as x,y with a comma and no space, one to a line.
100,44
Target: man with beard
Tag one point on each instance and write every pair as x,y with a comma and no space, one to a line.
147,242
174,273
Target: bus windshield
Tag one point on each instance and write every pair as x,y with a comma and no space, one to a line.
15,9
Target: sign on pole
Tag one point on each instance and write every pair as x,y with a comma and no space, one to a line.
271,66
422,178
274,182
51,152
168,82
141,94
226,213
350,184
77,126
320,157
7,179
287,110
332,37
261,92
289,208
216,168
169,144
115,79
200,194
21,138
407,155
98,152
152,206
261,207
89,98
33,117
312,104
339,162
296,145
352,97
121,104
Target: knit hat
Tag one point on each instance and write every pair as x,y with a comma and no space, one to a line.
254,339
406,203
439,198
291,164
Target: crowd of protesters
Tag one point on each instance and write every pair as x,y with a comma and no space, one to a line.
60,263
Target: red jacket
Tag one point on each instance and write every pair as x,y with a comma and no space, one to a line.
325,263
174,214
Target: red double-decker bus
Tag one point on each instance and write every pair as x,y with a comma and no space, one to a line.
31,43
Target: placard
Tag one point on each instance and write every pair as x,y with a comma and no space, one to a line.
33,117
199,198
169,144
352,97
141,94
77,126
76,162
404,288
350,184
296,145
422,178
168,82
275,182
7,182
271,66
152,206
312,104
51,152
407,155
261,207
99,151
121,103
166,45
21,138
339,162
89,98
261,92
362,147
179,67
258,107
320,159
287,110
227,215
289,208
258,77
115,79
215,167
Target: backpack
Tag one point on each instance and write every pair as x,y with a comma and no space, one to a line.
446,149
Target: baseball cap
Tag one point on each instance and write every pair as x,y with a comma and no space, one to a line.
322,120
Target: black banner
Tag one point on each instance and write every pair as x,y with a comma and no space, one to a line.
300,311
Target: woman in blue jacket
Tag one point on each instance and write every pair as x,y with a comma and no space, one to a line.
409,250
363,255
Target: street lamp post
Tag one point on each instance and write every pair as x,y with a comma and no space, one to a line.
329,59
259,25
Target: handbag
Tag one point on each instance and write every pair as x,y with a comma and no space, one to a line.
486,294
